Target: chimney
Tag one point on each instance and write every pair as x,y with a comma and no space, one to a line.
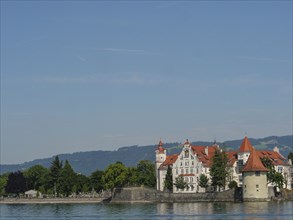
276,149
206,150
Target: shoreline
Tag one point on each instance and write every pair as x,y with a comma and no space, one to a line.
52,201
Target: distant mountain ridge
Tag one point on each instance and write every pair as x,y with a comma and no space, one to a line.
88,162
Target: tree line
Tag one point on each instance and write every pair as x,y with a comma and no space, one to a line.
61,180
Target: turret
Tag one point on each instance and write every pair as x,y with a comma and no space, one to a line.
244,151
160,154
254,179
160,158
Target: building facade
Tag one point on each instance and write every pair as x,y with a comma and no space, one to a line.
193,161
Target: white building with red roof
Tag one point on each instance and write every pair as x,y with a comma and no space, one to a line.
190,163
193,161
280,163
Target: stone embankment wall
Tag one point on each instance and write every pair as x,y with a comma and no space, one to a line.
141,194
134,194
287,194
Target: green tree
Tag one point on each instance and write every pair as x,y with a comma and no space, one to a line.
16,183
115,175
67,179
290,156
279,180
233,184
146,173
36,176
133,177
219,169
168,184
3,182
95,180
54,176
273,176
180,183
203,181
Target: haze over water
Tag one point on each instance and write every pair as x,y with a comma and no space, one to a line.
251,210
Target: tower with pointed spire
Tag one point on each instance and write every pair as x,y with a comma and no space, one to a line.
160,158
244,151
254,179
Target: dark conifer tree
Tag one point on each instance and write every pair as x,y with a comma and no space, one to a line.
55,169
219,170
169,180
16,183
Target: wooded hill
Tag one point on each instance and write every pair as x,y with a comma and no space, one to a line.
88,162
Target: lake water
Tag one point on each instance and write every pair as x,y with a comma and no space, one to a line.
249,210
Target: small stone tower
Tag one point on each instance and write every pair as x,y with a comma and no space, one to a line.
160,158
254,179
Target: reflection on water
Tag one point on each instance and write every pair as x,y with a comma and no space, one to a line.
252,210
248,211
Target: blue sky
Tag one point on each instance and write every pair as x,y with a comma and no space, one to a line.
97,75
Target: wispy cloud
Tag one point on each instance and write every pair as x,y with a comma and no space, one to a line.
167,4
82,59
118,79
119,50
126,51
66,79
266,59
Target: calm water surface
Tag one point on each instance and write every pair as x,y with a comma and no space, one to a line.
262,210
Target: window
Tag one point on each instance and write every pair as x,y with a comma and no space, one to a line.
280,169
257,186
196,170
257,173
181,164
176,171
191,179
182,171
186,170
192,163
244,186
191,170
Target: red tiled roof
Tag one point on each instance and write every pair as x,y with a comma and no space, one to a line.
232,157
206,159
160,147
276,157
245,146
254,163
170,160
